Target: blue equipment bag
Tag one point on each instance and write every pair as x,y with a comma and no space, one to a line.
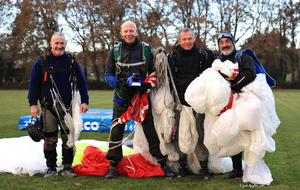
259,68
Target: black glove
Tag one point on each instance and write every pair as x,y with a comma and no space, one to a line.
125,89
223,75
144,87
235,89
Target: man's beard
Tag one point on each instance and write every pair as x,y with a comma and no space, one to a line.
59,52
227,52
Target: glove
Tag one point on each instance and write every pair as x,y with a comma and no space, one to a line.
124,88
235,89
144,87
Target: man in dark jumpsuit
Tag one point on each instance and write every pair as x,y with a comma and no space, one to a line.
247,74
131,61
187,62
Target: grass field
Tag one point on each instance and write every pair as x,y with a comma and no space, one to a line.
284,163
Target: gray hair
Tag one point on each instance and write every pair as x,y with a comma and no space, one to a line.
58,33
185,30
130,22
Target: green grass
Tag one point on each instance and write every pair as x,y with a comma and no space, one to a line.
284,162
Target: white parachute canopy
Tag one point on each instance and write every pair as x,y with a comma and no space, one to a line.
247,126
163,106
72,122
76,124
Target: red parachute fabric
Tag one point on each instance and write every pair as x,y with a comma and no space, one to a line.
138,108
93,162
135,165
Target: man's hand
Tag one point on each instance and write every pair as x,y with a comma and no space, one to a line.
84,108
125,89
144,87
35,111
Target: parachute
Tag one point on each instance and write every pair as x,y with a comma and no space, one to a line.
236,122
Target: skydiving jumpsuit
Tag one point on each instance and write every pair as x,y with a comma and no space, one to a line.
61,75
130,54
185,66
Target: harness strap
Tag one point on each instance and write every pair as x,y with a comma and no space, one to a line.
45,66
117,56
179,105
130,64
238,56
73,67
61,69
121,102
204,53
48,71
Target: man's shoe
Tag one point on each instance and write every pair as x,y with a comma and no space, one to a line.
68,171
204,173
50,172
168,172
235,174
183,171
112,172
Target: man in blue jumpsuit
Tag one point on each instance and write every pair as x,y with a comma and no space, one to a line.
58,61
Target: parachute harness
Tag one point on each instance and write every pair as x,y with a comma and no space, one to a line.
63,114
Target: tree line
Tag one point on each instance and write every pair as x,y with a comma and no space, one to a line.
268,27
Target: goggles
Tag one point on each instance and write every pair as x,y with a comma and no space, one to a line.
225,35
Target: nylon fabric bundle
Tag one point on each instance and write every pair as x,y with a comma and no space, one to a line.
253,110
141,146
138,108
93,163
134,165
64,115
163,113
77,117
188,135
259,174
203,93
75,125
163,105
69,123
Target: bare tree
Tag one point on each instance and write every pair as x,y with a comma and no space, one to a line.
266,48
96,25
32,29
289,16
236,16
155,23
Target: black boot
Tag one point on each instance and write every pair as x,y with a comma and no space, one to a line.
112,172
168,172
183,171
204,170
235,174
237,171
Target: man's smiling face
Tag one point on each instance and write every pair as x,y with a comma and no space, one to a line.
226,46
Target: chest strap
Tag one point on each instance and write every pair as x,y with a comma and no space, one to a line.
130,64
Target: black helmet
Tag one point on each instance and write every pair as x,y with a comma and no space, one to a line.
35,130
226,34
